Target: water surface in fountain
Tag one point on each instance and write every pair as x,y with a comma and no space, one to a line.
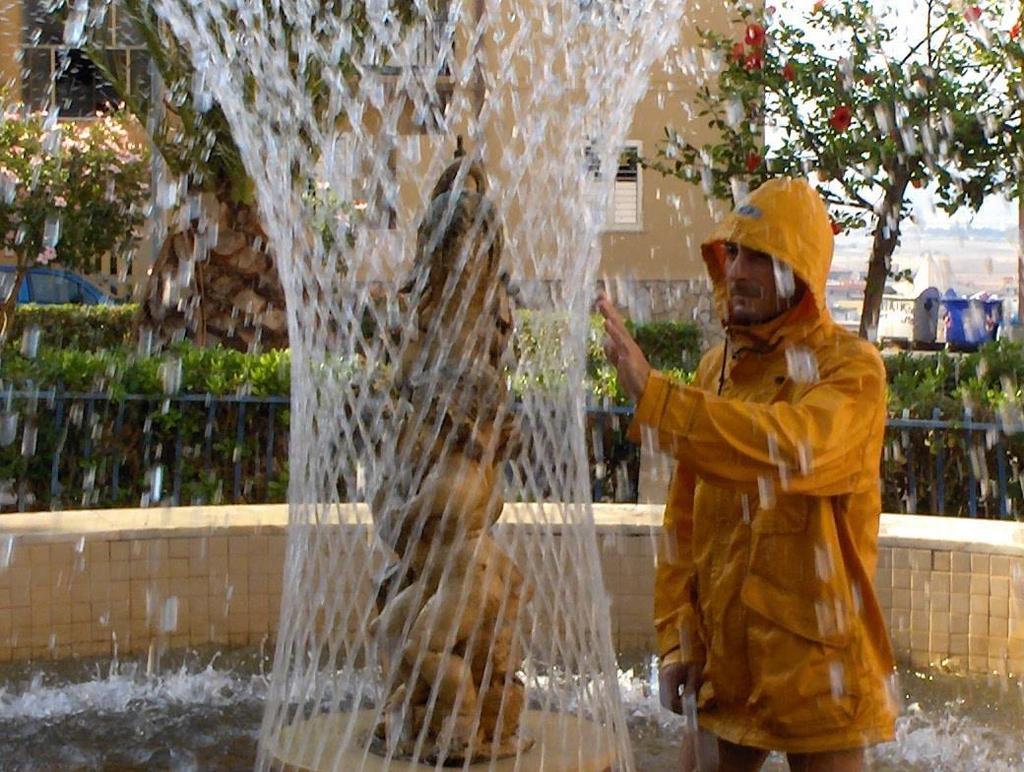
202,712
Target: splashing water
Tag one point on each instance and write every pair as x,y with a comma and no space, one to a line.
320,104
207,715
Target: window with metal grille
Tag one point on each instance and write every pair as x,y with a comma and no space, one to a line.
55,75
623,211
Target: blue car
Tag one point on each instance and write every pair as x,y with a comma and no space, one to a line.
49,286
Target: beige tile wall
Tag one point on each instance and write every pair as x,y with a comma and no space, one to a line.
956,609
91,596
961,608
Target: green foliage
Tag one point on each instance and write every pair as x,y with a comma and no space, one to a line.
983,387
87,328
107,452
673,347
669,345
183,369
138,436
984,382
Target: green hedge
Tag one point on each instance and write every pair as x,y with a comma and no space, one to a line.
88,328
983,385
920,386
105,452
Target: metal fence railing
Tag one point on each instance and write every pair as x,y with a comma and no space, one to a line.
61,450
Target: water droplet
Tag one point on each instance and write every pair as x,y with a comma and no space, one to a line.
6,552
30,342
766,493
170,375
734,113
837,678
8,428
157,481
51,231
823,562
802,364
785,280
169,617
28,440
74,24
145,347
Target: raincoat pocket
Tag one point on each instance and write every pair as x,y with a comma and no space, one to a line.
795,575
800,685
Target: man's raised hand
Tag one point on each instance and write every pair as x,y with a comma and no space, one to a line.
622,351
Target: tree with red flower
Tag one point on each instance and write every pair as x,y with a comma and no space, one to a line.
842,117
949,115
755,35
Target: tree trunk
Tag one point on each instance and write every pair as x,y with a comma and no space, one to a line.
10,302
225,292
886,237
1020,262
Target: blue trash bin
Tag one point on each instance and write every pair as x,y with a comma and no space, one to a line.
970,323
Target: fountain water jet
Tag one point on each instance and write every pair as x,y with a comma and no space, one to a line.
345,114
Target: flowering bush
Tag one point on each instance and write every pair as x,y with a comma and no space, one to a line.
69,192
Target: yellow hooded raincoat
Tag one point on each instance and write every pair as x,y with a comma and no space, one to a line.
772,519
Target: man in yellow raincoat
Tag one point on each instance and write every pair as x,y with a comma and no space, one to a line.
764,607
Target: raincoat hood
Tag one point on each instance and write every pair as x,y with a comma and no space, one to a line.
785,218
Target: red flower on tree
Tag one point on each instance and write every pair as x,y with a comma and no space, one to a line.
789,72
841,118
738,52
753,161
972,13
755,35
754,61
837,228
1015,31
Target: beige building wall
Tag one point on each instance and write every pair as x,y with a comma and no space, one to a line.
10,45
675,216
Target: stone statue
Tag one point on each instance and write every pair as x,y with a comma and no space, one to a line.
449,603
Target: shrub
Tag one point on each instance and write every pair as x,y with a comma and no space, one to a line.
86,328
932,469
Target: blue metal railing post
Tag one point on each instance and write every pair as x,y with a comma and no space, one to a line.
58,430
239,438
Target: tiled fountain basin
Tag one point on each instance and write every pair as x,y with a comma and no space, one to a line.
84,582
